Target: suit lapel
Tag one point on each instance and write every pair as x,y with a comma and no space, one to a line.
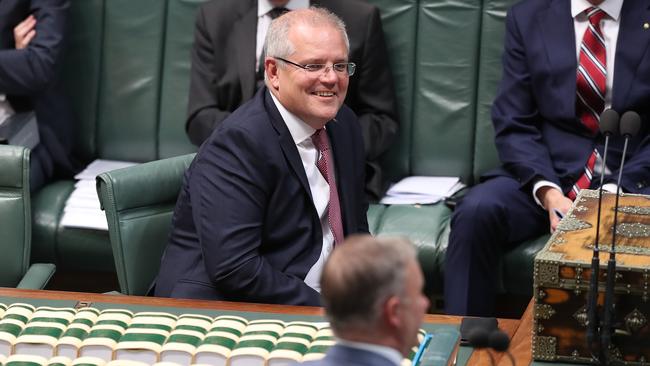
558,35
632,43
245,34
287,144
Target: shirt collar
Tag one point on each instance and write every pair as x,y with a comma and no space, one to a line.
264,6
387,352
611,7
299,130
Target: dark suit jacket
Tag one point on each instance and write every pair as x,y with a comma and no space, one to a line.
223,72
245,227
341,355
537,133
30,77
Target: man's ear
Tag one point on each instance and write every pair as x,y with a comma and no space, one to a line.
271,68
391,312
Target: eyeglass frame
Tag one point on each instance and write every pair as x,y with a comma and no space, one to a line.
350,67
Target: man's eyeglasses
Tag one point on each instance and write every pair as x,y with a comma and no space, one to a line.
340,67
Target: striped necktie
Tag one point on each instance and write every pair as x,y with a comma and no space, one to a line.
325,165
591,88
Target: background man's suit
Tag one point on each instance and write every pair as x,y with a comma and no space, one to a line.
341,355
223,72
30,78
245,227
539,137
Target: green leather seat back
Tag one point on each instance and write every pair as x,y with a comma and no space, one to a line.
179,36
489,69
15,214
139,202
399,20
445,87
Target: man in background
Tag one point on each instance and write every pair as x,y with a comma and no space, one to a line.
31,49
564,63
372,293
279,183
226,69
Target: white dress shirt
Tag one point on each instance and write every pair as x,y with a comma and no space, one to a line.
301,134
609,26
264,20
5,108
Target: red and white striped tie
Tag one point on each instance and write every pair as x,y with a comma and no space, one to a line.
591,87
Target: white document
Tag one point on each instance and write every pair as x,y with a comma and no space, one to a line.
82,209
422,190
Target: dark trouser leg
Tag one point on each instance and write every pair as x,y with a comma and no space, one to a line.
40,167
493,216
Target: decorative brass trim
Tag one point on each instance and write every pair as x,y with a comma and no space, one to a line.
548,273
544,348
635,321
634,210
571,223
633,230
544,311
581,316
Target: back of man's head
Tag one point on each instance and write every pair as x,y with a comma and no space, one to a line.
361,279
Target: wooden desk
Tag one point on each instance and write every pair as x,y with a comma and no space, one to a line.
510,326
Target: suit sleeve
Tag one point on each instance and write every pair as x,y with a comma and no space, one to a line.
228,188
31,70
375,101
516,117
203,112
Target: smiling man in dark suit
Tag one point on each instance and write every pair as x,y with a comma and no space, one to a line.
279,183
565,61
228,42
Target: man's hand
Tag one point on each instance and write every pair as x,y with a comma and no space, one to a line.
24,32
553,199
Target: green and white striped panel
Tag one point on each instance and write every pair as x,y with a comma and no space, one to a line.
3,307
12,324
59,361
25,360
294,342
188,334
88,361
223,335
41,333
323,340
69,343
144,338
104,335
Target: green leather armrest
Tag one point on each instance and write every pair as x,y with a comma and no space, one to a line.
37,276
139,202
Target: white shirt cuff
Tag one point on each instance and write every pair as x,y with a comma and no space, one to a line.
545,183
610,187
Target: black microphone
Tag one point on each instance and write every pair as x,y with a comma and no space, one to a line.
500,342
608,127
479,338
630,124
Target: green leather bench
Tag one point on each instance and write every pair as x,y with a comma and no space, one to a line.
127,70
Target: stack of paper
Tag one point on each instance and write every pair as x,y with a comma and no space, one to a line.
422,190
82,210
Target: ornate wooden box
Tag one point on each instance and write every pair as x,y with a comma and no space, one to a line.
563,270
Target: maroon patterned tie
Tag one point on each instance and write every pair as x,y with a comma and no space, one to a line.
591,87
325,165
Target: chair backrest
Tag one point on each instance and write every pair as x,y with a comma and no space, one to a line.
15,214
139,202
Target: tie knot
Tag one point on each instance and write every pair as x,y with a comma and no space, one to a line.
320,139
276,12
595,15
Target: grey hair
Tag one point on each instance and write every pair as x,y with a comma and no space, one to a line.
277,43
360,276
